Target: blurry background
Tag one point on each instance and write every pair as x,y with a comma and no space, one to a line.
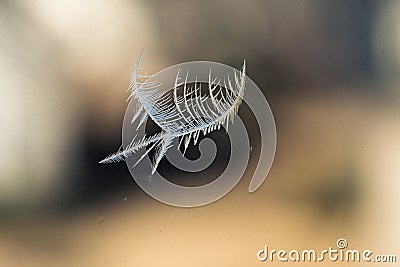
329,70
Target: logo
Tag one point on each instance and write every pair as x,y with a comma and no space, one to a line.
186,101
341,254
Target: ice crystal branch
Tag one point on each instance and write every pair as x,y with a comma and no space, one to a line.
183,113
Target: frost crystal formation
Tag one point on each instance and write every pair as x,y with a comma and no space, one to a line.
185,111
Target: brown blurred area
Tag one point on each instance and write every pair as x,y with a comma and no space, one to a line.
329,70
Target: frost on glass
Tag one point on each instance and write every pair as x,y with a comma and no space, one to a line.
184,111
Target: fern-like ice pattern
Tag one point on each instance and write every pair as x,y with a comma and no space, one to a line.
184,112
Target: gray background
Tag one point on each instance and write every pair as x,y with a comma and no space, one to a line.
329,70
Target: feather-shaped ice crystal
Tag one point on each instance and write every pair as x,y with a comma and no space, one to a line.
185,111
